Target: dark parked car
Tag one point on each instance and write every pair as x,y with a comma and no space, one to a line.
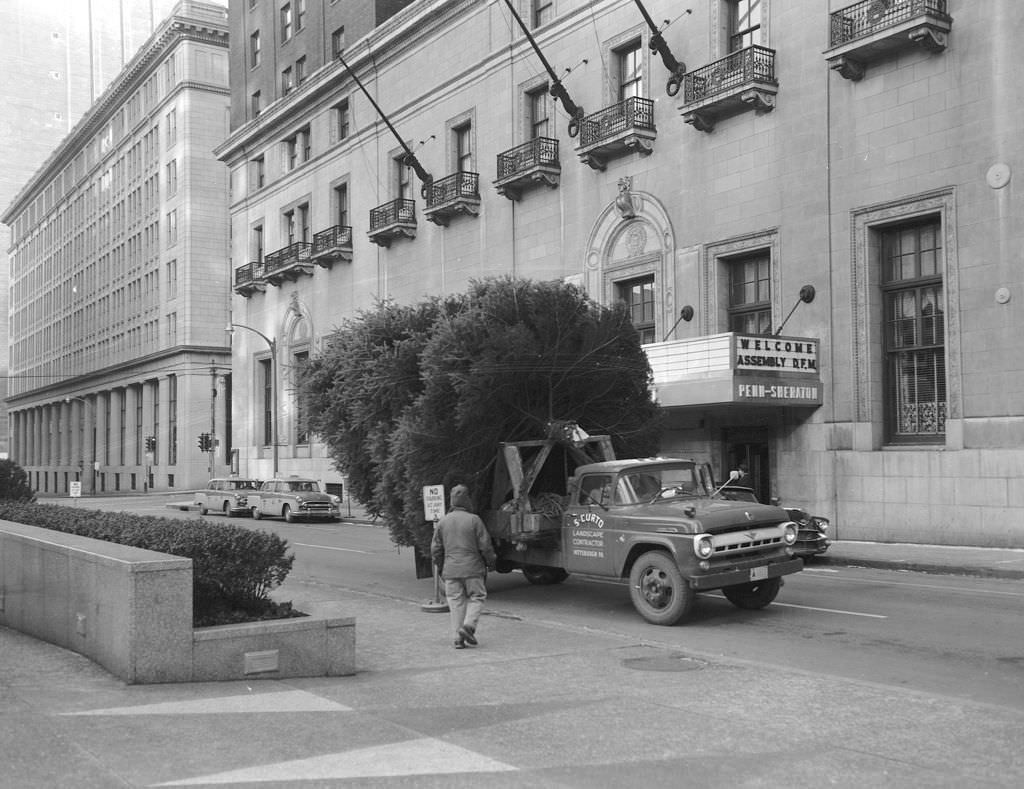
812,536
226,495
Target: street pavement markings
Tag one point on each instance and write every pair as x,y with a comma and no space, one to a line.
284,701
329,547
427,756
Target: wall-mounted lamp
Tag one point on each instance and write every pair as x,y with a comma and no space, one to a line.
685,314
807,294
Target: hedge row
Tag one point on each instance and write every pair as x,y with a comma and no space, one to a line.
233,569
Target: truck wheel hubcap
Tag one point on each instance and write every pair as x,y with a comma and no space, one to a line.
657,591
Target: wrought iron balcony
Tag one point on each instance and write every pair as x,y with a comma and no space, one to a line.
617,130
392,220
249,279
332,245
533,162
732,369
872,30
454,194
288,263
742,80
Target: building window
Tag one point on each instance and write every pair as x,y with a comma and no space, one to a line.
543,12
341,120
256,251
638,295
254,49
299,360
744,24
750,303
915,348
172,278
266,377
172,227
300,15
300,70
338,42
298,148
172,328
296,223
286,22
256,104
630,62
287,81
403,179
538,110
172,420
172,177
341,204
172,127
259,172
462,139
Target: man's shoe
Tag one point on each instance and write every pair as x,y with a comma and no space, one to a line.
468,632
460,644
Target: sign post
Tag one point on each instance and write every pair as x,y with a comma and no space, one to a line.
75,489
433,510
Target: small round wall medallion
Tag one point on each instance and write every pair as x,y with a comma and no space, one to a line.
998,175
1002,296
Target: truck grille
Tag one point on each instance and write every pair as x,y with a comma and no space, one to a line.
749,541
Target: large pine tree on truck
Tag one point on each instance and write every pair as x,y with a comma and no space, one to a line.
407,396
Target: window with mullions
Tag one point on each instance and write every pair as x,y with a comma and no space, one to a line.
638,294
750,298
300,360
543,12
915,348
631,71
463,148
744,24
538,107
286,22
266,380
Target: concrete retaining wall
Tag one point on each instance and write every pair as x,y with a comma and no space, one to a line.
130,610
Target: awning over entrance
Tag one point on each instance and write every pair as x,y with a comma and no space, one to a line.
740,369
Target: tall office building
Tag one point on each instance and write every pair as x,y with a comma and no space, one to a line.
118,348
56,58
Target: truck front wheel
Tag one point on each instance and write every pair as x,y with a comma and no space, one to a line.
544,576
753,596
658,590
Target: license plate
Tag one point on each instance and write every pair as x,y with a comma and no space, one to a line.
758,573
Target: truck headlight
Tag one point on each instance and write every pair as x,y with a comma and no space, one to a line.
703,546
790,533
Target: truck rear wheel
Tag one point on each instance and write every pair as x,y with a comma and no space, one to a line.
544,576
754,596
658,590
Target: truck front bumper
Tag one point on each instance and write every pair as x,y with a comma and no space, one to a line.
745,575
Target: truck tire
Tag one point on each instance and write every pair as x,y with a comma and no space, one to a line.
753,596
544,576
658,590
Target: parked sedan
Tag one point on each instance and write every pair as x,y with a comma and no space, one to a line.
812,530
226,495
293,498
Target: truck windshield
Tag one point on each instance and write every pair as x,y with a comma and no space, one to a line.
653,484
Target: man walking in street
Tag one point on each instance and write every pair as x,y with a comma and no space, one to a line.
462,549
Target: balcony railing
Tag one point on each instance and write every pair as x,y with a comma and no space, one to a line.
730,368
616,130
249,278
742,80
874,29
392,220
458,193
533,162
288,263
332,245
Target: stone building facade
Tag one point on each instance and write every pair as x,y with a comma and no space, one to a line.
119,357
811,210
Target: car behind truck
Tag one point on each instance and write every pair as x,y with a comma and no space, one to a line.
562,506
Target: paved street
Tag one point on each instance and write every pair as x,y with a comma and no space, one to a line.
546,700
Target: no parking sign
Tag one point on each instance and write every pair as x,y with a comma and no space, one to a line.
433,502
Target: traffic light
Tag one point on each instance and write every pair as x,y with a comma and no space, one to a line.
151,443
205,442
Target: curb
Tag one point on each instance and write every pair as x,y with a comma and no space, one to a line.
929,568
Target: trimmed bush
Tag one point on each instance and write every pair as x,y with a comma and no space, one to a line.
14,485
233,569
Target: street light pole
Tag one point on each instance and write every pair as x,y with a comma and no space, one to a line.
273,384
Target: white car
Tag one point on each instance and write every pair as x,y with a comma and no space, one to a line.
226,495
